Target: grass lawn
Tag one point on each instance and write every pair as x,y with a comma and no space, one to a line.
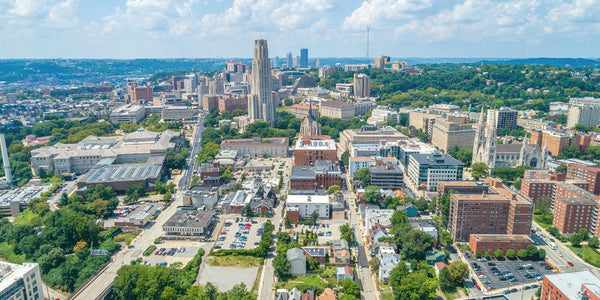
284,108
588,254
234,261
543,222
303,283
122,237
387,293
451,294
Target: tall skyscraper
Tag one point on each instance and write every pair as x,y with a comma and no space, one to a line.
261,106
303,58
290,60
362,86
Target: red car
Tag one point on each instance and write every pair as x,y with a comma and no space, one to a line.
477,286
570,263
224,232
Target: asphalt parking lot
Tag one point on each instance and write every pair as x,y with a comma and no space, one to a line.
509,273
190,249
242,234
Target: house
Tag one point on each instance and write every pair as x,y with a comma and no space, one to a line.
282,294
340,245
297,261
438,266
341,257
319,253
434,256
410,209
388,260
294,294
309,295
345,272
328,294
377,232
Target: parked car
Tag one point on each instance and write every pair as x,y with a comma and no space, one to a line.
570,263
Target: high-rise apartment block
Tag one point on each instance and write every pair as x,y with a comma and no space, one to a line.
289,60
261,106
583,114
504,117
381,61
556,139
447,134
20,281
589,174
497,211
362,86
303,58
140,94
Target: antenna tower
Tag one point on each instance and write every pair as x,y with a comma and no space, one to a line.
368,31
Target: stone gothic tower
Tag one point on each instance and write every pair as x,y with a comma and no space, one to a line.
484,148
310,126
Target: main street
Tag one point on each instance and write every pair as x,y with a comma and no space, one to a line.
102,283
369,287
267,277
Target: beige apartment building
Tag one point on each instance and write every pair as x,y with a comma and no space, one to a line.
446,134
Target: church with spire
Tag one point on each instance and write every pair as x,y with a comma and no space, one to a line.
508,154
309,125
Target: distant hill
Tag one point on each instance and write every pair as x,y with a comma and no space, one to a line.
55,72
551,61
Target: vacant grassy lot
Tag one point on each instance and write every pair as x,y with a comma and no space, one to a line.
122,237
543,222
234,261
588,254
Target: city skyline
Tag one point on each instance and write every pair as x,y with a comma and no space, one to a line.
328,28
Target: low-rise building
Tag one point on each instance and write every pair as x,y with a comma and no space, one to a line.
387,176
128,113
309,204
357,163
255,147
309,149
189,223
120,176
177,113
345,272
300,111
572,285
337,110
319,253
481,243
297,261
322,175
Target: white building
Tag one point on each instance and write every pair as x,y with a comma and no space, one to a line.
177,113
429,169
307,204
584,114
129,113
381,216
19,282
381,114
357,163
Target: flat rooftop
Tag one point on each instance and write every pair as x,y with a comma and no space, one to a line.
479,197
263,142
501,238
190,218
570,283
22,194
125,172
305,199
464,183
316,144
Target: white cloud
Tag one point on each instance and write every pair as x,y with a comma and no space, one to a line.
27,8
63,14
381,11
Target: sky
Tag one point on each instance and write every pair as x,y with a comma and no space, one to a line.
328,28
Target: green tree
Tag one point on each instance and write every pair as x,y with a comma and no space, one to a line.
372,194
208,152
415,244
314,216
287,221
363,175
511,254
593,242
522,254
350,287
128,127
347,233
464,155
281,266
333,189
346,158
498,254
459,271
569,152
576,240
134,192
445,279
422,204
446,238
479,170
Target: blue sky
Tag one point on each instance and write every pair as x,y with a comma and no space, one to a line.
328,28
